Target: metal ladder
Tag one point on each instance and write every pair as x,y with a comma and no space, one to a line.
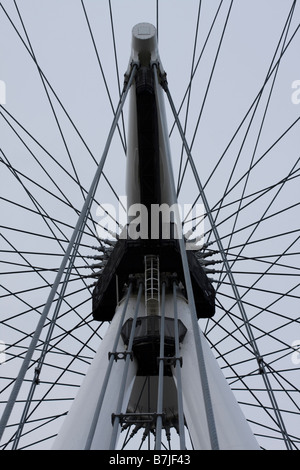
152,285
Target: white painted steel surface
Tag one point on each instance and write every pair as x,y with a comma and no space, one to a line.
233,431
75,429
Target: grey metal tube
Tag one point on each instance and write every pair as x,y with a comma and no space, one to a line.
125,371
231,278
178,373
72,247
107,375
160,372
41,359
198,344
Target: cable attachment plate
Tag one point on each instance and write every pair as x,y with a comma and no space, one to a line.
170,361
135,418
120,355
260,362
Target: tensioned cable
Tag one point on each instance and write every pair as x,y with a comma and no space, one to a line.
207,89
267,309
210,419
263,219
31,309
241,379
271,436
260,158
258,193
46,172
197,64
262,309
178,372
270,334
41,212
287,26
250,108
61,167
129,437
117,68
67,368
258,137
43,398
283,388
261,194
19,174
32,270
231,365
40,165
59,101
258,96
284,353
60,337
263,239
189,90
38,363
45,216
243,345
274,313
255,196
238,328
70,253
257,222
47,419
38,442
266,271
267,291
226,265
116,421
49,100
101,68
90,436
263,333
39,253
160,391
48,284
261,258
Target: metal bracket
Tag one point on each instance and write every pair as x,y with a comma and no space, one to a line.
37,372
135,418
170,361
120,355
260,362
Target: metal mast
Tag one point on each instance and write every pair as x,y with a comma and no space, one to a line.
154,373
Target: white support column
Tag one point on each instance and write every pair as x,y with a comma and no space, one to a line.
233,431
76,427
